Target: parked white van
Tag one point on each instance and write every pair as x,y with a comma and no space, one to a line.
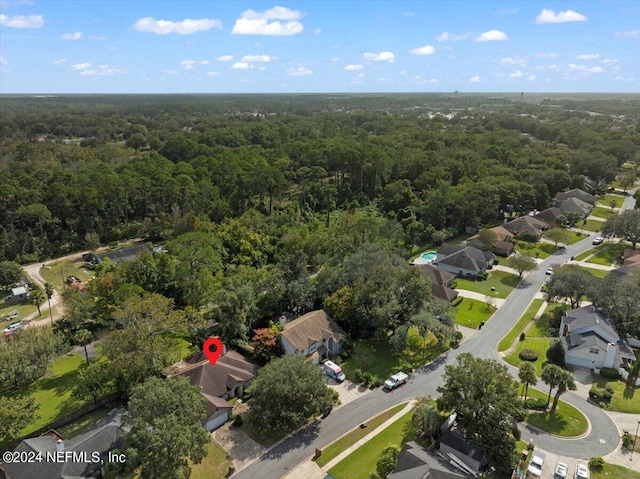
333,370
396,381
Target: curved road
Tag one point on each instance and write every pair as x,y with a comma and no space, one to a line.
601,440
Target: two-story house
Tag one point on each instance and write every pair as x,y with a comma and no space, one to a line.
314,335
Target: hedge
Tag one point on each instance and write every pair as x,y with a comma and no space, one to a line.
528,355
539,404
609,373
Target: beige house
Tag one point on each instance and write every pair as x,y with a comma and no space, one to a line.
314,335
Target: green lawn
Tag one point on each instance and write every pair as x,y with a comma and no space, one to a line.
540,328
609,199
502,282
623,400
214,466
607,254
355,435
360,463
471,312
602,212
567,421
613,470
56,273
575,236
539,345
531,311
590,225
23,309
598,273
536,250
86,422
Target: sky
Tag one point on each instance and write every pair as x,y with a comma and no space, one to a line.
118,46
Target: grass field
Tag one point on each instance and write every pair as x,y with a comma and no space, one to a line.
536,250
502,282
24,310
531,311
567,421
607,254
611,471
214,466
360,463
575,236
540,328
602,212
623,400
85,422
56,273
539,345
598,273
608,200
471,312
590,225
355,435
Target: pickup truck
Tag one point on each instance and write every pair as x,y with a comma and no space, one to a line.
396,381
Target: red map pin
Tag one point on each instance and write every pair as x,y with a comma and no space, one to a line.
212,356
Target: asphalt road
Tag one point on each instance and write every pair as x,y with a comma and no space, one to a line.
601,440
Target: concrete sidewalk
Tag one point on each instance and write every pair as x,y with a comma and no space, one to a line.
465,293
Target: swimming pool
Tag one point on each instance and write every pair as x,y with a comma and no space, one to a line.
425,258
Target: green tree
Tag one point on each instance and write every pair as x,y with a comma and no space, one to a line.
16,412
557,235
388,461
555,353
93,381
82,338
10,273
486,398
551,375
166,431
627,180
566,382
626,225
570,282
48,290
36,297
521,263
426,418
527,375
488,238
287,393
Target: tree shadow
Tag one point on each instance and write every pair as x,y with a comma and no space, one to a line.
297,440
629,392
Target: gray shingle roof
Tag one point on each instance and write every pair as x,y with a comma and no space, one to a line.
575,205
311,327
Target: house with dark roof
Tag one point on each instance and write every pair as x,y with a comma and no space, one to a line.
630,257
503,245
550,215
314,335
590,340
576,205
226,379
527,224
123,254
458,450
414,462
576,193
463,260
440,282
90,447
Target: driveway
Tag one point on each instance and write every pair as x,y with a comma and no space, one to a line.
347,390
241,448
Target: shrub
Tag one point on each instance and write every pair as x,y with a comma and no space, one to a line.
609,388
359,377
528,355
555,353
539,404
627,441
237,420
596,464
454,284
600,395
609,373
456,301
522,336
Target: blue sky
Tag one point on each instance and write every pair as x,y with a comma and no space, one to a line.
320,46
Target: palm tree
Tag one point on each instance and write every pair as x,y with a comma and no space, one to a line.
551,375
566,381
527,376
48,289
426,419
37,297
82,338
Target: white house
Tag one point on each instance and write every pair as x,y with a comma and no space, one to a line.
590,340
314,335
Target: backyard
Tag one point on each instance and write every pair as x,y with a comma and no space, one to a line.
501,282
471,312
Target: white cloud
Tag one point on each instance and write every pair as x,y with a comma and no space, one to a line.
549,16
522,61
592,56
335,59
60,62
380,57
546,56
574,67
627,34
204,62
606,61
212,73
425,50
80,66
317,31
554,67
188,64
475,79
360,75
452,37
516,74
268,22
3,61
241,66
257,58
225,58
595,70
531,78
72,36
185,27
171,72
299,72
351,68
22,21
98,38
101,70
492,36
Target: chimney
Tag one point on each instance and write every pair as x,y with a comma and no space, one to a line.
59,445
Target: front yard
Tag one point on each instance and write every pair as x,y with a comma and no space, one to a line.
471,312
529,314
214,466
536,250
539,345
605,254
602,212
56,273
590,225
609,200
626,400
501,282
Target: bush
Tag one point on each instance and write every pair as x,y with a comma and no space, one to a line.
627,441
237,420
609,388
596,464
555,353
456,301
600,395
528,355
539,404
482,276
522,336
609,373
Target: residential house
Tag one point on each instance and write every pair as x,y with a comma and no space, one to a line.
550,215
461,452
226,379
463,260
314,335
440,282
414,462
630,257
123,254
590,340
527,224
18,295
503,246
576,205
93,446
576,193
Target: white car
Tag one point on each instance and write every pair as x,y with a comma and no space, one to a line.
396,381
561,471
598,240
535,465
549,271
582,472
12,328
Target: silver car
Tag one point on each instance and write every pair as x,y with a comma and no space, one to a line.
582,472
561,471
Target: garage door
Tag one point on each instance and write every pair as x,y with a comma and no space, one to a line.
577,361
218,421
